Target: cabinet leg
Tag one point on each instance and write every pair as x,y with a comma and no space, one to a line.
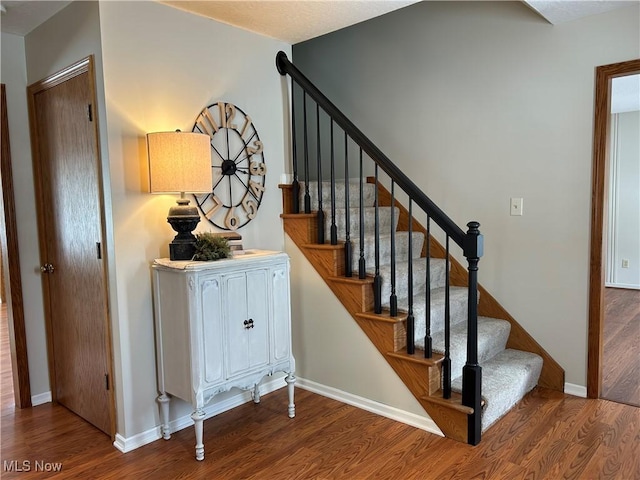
291,379
198,419
164,400
256,393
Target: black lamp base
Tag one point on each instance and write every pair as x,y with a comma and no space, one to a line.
183,218
182,251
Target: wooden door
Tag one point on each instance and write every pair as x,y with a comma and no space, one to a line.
66,163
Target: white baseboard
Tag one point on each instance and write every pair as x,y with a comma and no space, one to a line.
127,444
40,399
623,286
575,390
418,421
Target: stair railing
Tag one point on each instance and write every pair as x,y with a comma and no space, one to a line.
471,242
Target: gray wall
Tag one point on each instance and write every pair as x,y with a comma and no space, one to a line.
479,102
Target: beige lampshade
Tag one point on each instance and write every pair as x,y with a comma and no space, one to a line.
179,162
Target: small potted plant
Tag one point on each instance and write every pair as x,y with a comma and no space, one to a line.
210,246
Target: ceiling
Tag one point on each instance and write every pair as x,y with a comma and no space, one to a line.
291,21
562,11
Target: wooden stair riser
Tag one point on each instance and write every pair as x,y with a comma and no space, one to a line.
330,259
387,336
301,227
356,296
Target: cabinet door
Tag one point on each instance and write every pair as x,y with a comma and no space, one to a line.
211,318
247,314
281,350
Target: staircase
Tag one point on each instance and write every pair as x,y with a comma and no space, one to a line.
464,358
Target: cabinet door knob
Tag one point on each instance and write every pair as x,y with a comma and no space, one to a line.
47,268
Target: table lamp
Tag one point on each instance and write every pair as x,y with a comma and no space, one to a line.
180,162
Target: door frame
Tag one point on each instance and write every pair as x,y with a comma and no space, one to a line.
86,65
599,206
17,332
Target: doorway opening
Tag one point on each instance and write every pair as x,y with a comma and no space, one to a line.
12,318
599,231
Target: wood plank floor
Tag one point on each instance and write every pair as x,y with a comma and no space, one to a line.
621,342
547,436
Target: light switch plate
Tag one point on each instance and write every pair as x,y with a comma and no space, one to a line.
516,206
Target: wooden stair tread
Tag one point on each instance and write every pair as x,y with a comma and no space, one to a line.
455,402
352,280
418,357
323,246
298,215
383,317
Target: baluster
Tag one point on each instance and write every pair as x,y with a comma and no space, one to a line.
393,299
295,185
428,343
362,267
334,229
377,281
446,362
411,347
348,246
472,372
320,218
307,197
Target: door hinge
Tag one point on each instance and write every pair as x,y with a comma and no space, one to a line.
99,250
106,381
90,113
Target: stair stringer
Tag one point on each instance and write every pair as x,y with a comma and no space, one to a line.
552,375
421,376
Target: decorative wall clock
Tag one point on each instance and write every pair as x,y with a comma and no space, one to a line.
238,166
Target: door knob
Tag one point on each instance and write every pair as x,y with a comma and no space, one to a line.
47,268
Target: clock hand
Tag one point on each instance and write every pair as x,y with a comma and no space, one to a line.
243,148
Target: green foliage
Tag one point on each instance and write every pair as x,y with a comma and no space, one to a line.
210,246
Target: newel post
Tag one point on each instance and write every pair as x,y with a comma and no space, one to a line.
472,372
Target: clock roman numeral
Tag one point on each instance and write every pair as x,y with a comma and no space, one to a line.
207,124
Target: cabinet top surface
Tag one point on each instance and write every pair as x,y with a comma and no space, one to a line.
248,256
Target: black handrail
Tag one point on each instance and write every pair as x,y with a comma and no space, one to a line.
285,67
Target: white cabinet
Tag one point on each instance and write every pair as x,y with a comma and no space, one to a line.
221,325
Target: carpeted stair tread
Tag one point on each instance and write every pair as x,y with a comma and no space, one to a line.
401,248
492,339
419,278
506,378
384,216
458,301
368,194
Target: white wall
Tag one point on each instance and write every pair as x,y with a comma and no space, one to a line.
624,202
14,76
491,102
162,66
